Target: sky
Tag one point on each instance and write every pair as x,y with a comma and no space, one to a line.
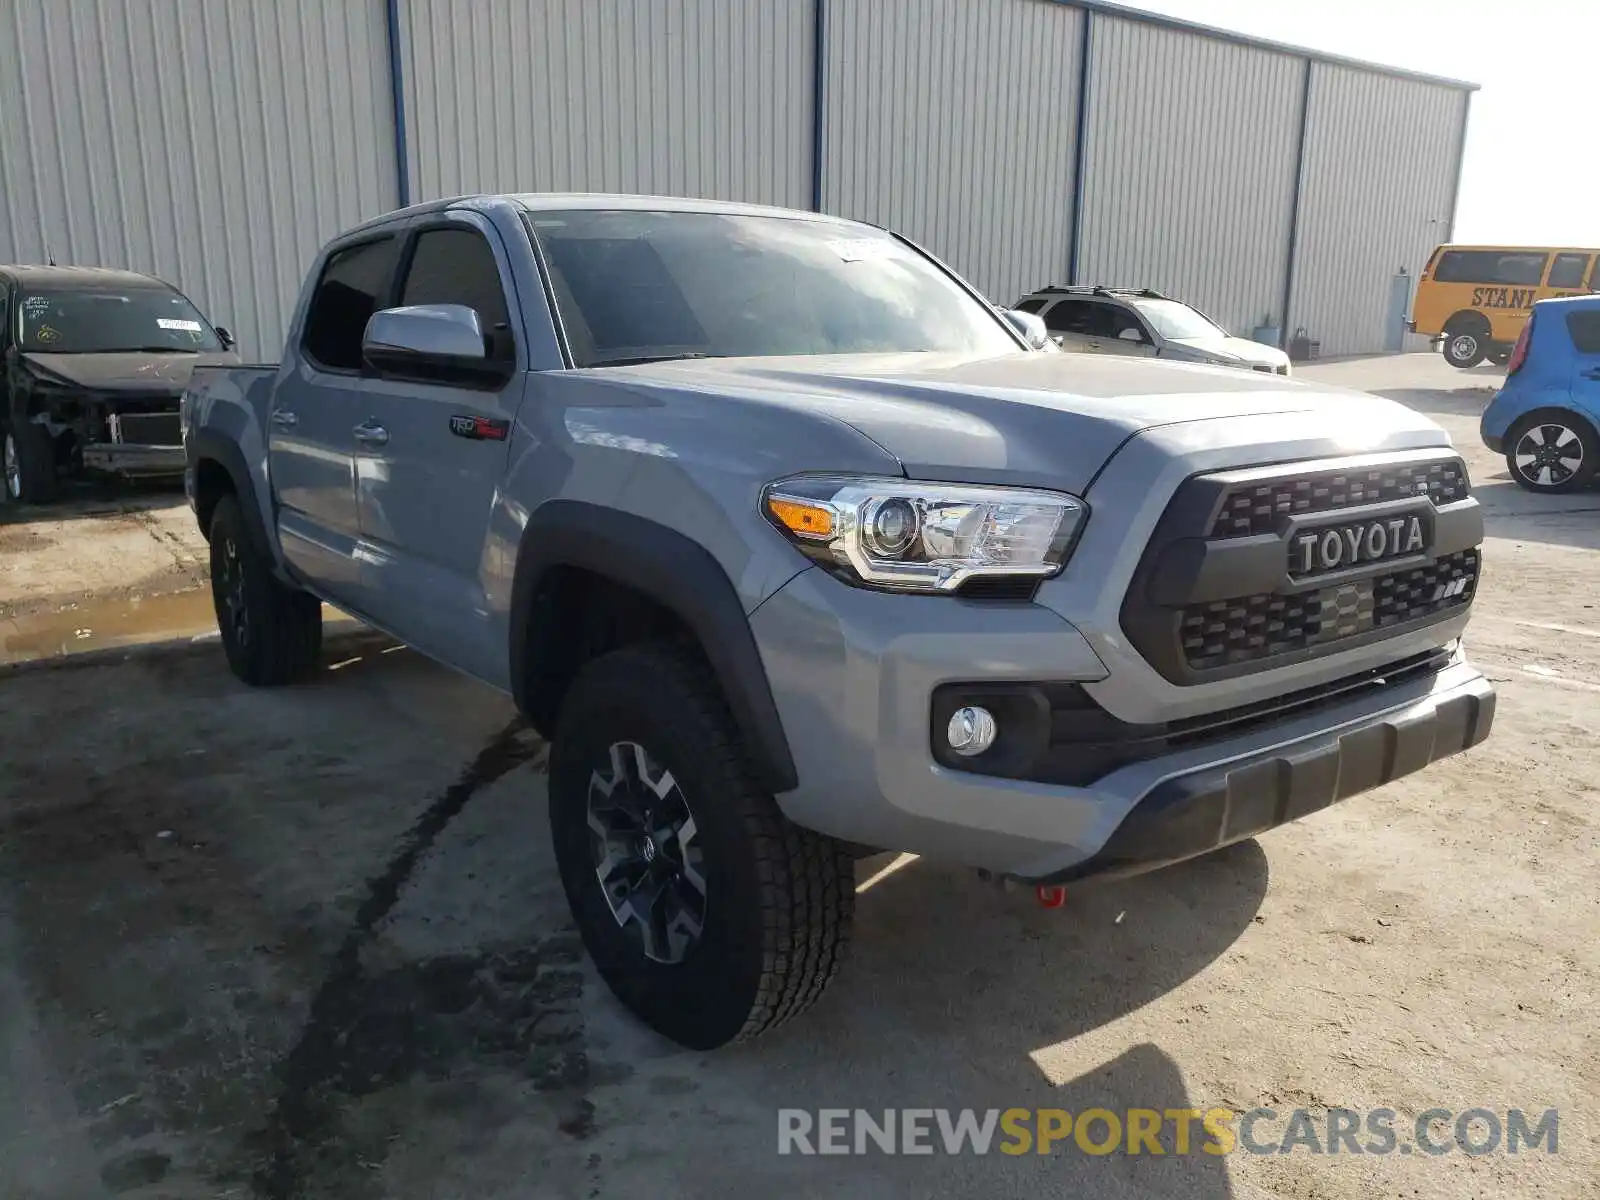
1531,171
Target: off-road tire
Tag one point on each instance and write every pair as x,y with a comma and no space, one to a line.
280,639
778,898
36,461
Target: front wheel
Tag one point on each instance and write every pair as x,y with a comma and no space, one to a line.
705,910
1552,452
272,634
30,464
1465,348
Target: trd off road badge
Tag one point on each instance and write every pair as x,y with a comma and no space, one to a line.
479,429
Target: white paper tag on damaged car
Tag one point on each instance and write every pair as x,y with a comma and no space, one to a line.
185,326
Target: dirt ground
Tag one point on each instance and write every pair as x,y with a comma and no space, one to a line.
312,943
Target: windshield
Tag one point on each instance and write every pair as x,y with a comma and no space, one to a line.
107,320
635,286
1177,322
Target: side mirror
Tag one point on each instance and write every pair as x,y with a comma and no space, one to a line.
1030,326
227,339
430,341
1130,335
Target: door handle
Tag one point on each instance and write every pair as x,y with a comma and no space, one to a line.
369,433
284,419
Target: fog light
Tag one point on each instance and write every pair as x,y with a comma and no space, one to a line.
971,731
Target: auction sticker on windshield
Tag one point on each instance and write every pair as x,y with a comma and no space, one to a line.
186,326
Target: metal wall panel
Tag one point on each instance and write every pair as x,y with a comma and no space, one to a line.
954,122
1380,173
706,98
216,145
1189,169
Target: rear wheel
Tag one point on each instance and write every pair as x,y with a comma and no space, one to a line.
30,464
1552,452
707,912
272,634
1465,348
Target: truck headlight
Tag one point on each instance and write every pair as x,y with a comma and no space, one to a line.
909,536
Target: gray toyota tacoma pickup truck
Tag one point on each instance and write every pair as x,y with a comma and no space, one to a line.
793,545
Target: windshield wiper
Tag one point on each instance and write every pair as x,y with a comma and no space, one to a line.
635,360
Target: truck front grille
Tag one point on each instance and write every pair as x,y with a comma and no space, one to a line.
1250,628
1217,593
146,429
1253,507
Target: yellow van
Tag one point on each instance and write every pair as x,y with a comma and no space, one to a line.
1478,298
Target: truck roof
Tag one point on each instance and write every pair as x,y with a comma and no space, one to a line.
551,201
69,277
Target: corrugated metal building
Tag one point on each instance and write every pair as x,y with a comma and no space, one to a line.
218,142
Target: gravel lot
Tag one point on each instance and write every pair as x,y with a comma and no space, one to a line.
311,942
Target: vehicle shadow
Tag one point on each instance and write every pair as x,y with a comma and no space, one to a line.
1144,1076
96,498
1468,400
1514,513
940,942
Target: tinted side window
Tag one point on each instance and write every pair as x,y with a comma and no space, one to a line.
1032,305
456,266
1071,316
1489,266
1568,270
1120,319
1585,330
353,286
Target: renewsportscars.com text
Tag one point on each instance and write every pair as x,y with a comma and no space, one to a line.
1218,1131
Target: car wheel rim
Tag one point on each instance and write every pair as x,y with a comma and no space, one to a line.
236,613
1548,454
646,852
1464,346
13,469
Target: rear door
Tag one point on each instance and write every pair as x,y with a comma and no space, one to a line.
310,436
431,455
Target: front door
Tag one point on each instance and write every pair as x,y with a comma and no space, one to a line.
310,438
1071,323
430,457
1120,331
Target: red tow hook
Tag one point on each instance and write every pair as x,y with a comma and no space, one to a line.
1051,897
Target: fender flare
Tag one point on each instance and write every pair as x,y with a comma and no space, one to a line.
204,445
679,574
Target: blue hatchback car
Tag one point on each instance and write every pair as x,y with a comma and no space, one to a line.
1546,417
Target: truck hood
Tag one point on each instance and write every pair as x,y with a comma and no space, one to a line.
136,371
1240,348
1046,420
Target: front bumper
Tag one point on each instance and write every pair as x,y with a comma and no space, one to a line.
143,461
854,672
1190,814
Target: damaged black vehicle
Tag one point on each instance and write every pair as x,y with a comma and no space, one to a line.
95,363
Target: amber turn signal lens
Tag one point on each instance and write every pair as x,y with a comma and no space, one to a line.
807,520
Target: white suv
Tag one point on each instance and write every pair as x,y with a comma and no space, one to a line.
1146,324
